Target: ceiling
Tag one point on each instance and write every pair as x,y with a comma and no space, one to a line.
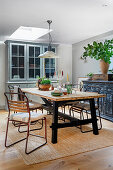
73,20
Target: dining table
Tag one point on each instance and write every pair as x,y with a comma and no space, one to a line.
52,103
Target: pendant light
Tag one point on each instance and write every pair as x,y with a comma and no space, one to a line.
49,53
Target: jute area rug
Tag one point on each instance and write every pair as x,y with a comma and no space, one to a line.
70,141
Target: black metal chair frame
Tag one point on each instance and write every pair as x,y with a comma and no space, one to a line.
80,109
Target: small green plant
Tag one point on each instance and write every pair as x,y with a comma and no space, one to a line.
99,51
110,71
90,74
45,81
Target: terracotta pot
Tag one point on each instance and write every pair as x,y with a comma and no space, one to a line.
44,87
104,66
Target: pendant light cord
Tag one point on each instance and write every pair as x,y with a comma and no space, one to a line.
50,37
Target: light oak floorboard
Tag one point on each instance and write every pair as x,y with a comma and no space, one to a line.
101,159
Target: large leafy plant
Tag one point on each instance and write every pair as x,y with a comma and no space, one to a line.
99,51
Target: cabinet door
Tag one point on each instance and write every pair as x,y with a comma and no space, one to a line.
50,65
34,65
17,61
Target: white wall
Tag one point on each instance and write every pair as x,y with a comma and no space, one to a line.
2,75
65,60
81,68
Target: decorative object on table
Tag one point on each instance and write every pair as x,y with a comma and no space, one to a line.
64,90
52,87
56,93
69,88
105,77
90,75
100,51
60,77
49,53
44,84
67,77
62,73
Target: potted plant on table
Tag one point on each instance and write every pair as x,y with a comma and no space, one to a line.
100,51
90,75
44,84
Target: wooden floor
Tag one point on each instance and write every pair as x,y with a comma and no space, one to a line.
101,159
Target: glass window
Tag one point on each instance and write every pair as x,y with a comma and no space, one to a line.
14,62
21,73
37,51
49,65
21,50
17,67
14,50
21,61
34,62
25,64
37,73
31,51
31,73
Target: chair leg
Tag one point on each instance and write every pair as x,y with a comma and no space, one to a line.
7,135
27,138
45,137
91,129
99,120
81,126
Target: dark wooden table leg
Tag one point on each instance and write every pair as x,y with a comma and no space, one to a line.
54,122
93,116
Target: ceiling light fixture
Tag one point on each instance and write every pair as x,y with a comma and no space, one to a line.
49,53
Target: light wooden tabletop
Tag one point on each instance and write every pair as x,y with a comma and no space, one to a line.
47,94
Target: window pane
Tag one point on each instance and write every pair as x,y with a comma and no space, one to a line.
31,62
21,50
31,73
47,62
14,50
21,72
21,61
37,62
15,73
47,72
37,73
52,65
37,51
52,72
31,51
14,61
45,49
53,49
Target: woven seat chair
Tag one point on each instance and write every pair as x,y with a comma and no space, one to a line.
69,104
84,107
23,116
32,105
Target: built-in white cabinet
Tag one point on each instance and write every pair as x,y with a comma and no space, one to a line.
23,63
